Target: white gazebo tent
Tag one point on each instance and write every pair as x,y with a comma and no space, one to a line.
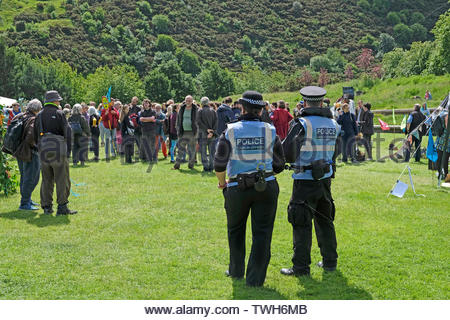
6,102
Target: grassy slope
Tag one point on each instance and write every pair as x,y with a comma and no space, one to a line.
397,93
162,235
12,8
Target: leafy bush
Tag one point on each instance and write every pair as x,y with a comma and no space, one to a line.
393,18
402,34
160,23
165,43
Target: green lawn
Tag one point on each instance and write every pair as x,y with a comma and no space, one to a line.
162,235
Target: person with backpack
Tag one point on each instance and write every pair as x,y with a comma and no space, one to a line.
52,145
81,133
27,156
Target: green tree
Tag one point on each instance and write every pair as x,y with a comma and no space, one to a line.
337,60
415,61
165,43
386,43
246,43
215,81
160,23
318,62
391,61
123,79
380,6
363,4
419,32
188,61
145,8
402,34
440,59
393,18
157,86
417,17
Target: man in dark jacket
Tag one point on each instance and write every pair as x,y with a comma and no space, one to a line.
207,127
52,131
347,121
224,115
27,157
415,121
187,132
367,129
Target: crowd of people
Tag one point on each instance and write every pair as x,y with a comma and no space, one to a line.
139,132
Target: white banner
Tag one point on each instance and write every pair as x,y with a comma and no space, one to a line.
215,310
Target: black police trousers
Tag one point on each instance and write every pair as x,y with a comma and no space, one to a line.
312,200
263,206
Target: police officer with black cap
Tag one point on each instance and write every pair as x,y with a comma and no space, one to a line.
311,148
250,152
51,130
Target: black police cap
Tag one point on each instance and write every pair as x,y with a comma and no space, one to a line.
313,93
252,99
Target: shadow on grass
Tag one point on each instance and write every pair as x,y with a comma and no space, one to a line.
32,217
242,292
334,286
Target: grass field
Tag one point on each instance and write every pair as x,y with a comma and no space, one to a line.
162,235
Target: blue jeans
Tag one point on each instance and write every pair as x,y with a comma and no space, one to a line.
29,177
173,144
110,141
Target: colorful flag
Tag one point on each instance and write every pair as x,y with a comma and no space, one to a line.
431,148
108,94
403,124
393,117
384,125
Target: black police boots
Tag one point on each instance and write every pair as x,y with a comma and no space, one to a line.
64,210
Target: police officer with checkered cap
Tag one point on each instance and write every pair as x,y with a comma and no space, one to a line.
250,153
311,148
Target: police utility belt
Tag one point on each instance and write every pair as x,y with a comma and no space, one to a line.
256,180
319,169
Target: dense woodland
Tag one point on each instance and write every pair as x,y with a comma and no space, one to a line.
168,48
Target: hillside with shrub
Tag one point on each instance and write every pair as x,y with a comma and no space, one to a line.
166,49
274,35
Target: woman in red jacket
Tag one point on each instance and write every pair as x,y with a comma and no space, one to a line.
110,120
281,118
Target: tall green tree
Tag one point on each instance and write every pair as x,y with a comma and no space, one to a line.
157,86
215,81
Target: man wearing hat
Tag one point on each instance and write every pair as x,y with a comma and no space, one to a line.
51,129
311,148
250,152
207,128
